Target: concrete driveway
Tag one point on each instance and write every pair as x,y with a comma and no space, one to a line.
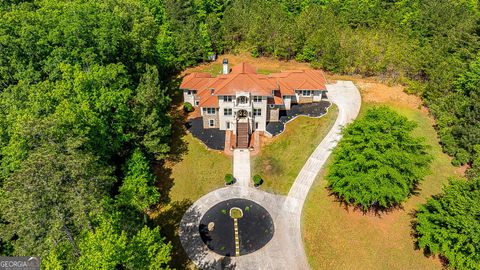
285,250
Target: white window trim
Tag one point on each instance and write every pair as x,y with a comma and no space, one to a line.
306,91
257,112
211,123
227,99
230,110
210,113
257,99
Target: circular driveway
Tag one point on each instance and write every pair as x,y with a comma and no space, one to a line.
285,250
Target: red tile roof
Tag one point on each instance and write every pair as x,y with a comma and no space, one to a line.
244,78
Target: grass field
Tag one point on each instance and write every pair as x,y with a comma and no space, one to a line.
281,159
339,238
199,172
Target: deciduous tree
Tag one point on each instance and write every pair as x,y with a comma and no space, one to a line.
378,163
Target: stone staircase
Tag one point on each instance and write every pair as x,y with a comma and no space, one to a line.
242,135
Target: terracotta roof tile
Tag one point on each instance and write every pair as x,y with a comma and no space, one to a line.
244,78
190,81
243,68
208,100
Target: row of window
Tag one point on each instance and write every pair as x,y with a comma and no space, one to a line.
228,111
211,123
242,99
306,93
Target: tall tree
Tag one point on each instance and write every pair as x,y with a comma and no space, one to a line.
138,188
151,121
57,190
378,163
110,248
449,224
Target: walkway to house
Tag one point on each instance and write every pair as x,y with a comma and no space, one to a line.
241,167
285,250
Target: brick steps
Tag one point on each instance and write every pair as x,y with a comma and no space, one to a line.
242,135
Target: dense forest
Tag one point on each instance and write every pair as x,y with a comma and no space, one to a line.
86,89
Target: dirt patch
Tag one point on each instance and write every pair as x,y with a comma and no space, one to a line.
377,92
263,63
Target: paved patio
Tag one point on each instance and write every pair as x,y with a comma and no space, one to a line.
285,250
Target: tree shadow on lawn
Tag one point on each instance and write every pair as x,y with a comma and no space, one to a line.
169,221
376,210
178,148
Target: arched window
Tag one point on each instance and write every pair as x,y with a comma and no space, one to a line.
242,114
242,100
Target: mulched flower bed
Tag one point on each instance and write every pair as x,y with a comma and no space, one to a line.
316,109
213,138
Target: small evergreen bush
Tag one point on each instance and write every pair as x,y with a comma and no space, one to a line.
188,107
257,180
229,179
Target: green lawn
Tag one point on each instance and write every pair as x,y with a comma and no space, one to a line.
337,238
199,172
280,161
216,69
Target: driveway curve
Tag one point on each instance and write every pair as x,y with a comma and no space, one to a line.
285,250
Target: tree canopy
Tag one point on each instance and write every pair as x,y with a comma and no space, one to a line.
85,91
449,225
378,163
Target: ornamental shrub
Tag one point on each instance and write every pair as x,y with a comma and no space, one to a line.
378,163
257,180
229,179
187,107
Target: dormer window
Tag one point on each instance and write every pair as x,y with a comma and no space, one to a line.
257,99
227,98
